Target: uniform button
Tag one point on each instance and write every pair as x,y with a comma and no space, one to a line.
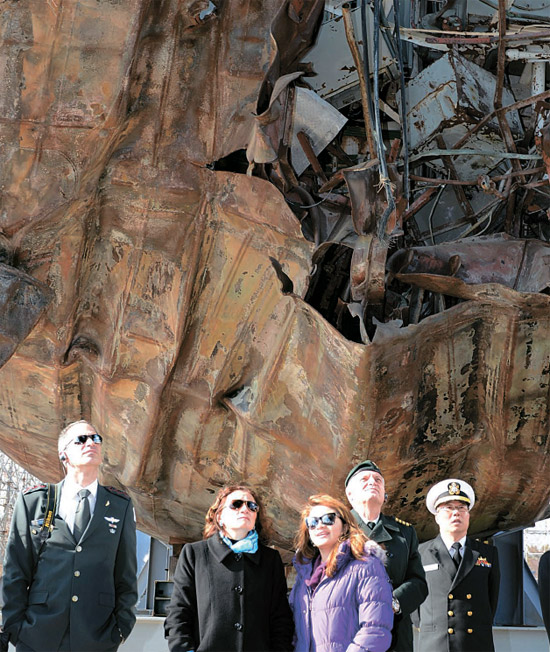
451,630
77,573
470,613
74,598
79,548
468,596
238,589
450,596
238,627
470,631
238,556
450,613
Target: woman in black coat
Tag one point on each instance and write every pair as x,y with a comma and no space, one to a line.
230,589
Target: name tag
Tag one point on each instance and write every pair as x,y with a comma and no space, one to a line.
431,567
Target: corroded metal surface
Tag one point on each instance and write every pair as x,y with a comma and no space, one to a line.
219,326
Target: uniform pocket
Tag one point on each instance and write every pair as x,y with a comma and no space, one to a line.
38,597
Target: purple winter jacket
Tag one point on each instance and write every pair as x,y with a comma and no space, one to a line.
347,612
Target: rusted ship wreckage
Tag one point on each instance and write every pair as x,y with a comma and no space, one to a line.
249,248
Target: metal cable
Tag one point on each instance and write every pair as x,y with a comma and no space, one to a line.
404,123
384,178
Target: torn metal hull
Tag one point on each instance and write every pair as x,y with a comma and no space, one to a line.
223,316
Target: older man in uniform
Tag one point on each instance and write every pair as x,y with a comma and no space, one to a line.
70,566
365,489
463,577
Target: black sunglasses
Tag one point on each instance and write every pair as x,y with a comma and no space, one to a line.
81,439
326,519
237,504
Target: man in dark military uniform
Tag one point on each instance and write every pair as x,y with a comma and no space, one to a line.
70,581
463,577
365,489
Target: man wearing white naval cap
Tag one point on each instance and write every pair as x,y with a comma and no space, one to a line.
462,574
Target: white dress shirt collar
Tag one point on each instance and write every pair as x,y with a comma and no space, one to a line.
449,544
69,500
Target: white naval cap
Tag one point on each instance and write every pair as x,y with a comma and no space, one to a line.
450,489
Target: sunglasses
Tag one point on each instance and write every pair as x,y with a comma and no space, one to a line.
81,439
326,519
237,504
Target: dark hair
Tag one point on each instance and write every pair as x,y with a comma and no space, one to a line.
212,526
305,551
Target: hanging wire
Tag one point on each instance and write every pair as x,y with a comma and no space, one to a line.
384,178
432,211
298,205
404,124
366,62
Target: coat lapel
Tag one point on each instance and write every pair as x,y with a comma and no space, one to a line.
101,509
383,530
59,524
468,562
440,552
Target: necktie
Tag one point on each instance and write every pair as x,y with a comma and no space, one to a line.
82,514
457,556
371,525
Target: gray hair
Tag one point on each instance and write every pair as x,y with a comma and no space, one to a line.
64,436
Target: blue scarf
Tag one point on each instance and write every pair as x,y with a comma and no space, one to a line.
248,544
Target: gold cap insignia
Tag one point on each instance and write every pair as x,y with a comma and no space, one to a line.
454,488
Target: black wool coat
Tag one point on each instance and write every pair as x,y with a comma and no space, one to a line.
458,613
228,601
404,568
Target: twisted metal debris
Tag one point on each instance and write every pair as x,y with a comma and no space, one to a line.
242,261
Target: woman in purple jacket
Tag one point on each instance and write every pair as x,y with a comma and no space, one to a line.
342,597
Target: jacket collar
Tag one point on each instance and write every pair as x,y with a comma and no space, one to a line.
344,557
102,509
440,552
384,530
220,551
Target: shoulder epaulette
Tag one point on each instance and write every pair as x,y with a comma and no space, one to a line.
36,487
402,522
118,492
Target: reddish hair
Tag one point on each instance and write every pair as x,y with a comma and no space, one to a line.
212,526
305,551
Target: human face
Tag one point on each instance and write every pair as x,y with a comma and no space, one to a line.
237,523
87,454
325,537
366,492
453,518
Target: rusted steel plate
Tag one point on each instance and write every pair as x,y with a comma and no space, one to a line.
520,264
22,300
168,327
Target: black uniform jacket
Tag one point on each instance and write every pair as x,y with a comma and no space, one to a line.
90,584
544,589
458,614
228,601
404,567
